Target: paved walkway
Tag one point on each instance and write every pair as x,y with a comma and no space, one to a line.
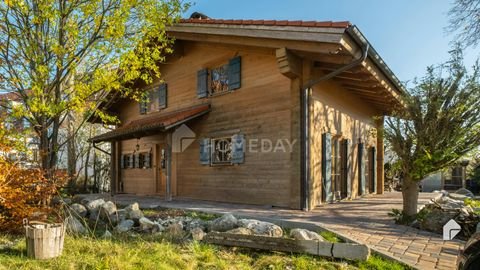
365,221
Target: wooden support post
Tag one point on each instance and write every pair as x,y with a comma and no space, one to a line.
380,154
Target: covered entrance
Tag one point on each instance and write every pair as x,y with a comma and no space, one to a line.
143,162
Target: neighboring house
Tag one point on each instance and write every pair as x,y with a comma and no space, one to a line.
26,159
450,179
284,113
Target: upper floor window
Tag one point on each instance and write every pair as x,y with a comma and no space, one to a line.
219,79
154,100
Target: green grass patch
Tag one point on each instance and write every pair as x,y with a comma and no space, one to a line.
155,252
377,262
202,215
330,237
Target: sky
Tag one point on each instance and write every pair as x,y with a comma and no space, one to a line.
408,34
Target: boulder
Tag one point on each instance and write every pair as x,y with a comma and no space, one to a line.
94,205
196,223
124,226
464,191
79,210
133,206
94,216
241,230
459,197
435,219
261,227
74,226
175,230
113,219
197,234
122,214
224,223
146,224
135,215
302,234
107,209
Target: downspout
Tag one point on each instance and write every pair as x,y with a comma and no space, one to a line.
305,124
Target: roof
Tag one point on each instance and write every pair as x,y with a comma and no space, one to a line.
158,122
328,24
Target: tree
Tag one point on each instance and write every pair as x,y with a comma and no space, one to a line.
465,21
61,56
440,124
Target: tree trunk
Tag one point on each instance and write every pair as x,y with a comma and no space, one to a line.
410,196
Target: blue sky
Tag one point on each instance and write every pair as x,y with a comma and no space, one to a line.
409,35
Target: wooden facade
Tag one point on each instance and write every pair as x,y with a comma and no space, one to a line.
263,109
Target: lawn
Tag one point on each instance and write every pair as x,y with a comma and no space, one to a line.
154,252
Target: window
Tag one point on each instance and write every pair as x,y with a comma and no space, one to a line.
154,100
219,80
128,161
144,105
222,150
336,167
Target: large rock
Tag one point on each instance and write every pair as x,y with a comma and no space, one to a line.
94,205
125,226
459,197
435,219
175,230
133,212
107,209
196,223
146,224
241,230
224,223
302,234
450,203
74,226
79,210
466,192
197,234
122,214
261,227
107,235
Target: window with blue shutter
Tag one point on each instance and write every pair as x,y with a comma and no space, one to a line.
361,169
136,160
238,148
234,73
202,83
143,105
147,160
122,162
346,179
327,167
205,151
162,96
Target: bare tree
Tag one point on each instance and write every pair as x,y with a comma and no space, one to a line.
465,22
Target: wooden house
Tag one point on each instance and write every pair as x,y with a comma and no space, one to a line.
279,113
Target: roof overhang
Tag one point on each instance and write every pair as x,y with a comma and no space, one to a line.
152,124
329,46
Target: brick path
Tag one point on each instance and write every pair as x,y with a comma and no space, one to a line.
363,220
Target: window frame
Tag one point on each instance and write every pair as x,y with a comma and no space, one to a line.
213,151
225,67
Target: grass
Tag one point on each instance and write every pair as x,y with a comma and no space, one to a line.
154,252
330,237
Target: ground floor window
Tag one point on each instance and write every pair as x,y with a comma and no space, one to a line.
222,151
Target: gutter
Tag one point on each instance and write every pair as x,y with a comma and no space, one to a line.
305,123
361,41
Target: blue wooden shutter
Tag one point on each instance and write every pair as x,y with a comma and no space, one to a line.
205,151
202,83
137,160
373,165
147,160
122,161
143,104
238,149
327,166
235,73
361,168
162,96
348,150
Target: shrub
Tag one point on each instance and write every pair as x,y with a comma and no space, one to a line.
24,193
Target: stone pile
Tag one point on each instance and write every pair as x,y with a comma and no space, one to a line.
89,215
450,206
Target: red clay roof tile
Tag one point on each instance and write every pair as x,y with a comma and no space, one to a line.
331,24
